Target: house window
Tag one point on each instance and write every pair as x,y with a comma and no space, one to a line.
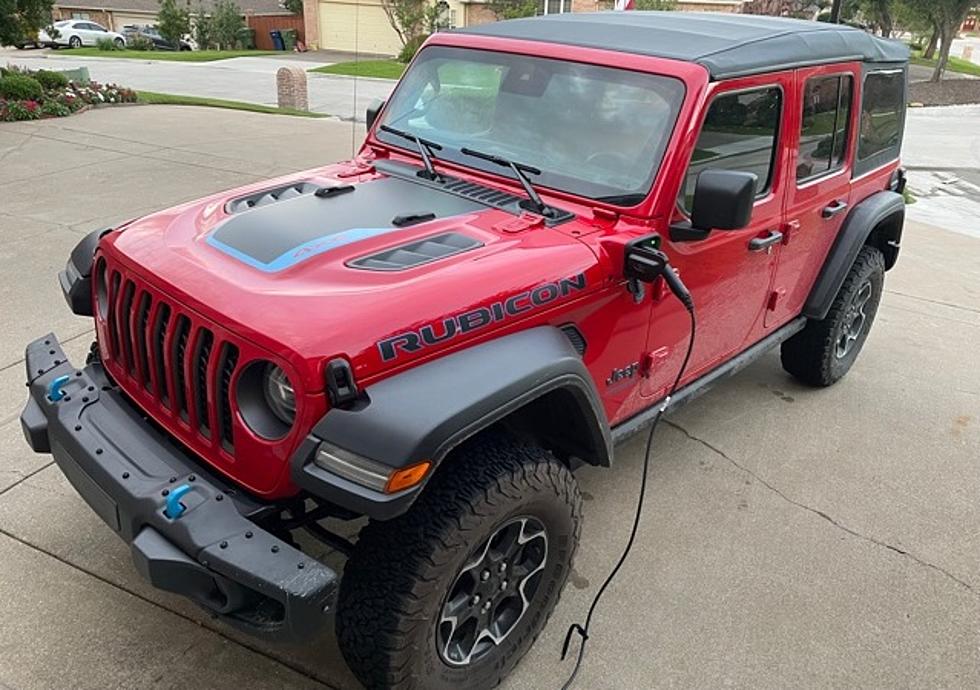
739,133
80,15
554,6
823,134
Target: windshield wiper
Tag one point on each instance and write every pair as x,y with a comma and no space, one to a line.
522,171
425,148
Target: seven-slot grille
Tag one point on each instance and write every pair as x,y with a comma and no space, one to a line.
157,350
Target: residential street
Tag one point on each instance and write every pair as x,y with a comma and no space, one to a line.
792,537
251,79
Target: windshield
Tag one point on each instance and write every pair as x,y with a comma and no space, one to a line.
597,132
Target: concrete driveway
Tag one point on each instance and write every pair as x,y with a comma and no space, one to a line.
792,537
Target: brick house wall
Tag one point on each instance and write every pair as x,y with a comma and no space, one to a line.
98,16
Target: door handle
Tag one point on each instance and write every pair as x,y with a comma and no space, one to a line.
835,208
759,243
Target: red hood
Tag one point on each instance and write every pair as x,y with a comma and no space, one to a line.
310,306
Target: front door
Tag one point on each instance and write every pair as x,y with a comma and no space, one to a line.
729,274
818,196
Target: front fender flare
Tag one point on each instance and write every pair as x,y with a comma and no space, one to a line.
425,412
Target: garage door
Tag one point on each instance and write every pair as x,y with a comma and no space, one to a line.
361,27
121,19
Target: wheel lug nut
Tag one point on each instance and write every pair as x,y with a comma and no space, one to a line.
476,600
503,566
503,585
486,606
485,575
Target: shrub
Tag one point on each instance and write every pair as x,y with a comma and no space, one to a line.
20,87
410,48
14,111
202,30
55,109
51,80
107,44
139,42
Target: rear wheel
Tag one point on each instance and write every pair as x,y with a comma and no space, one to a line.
454,592
825,350
75,42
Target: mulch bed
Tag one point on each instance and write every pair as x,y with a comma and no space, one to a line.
946,92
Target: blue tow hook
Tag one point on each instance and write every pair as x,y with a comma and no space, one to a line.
174,508
55,392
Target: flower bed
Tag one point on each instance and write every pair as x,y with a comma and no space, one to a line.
27,95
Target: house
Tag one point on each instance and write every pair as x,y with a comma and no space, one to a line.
362,25
115,14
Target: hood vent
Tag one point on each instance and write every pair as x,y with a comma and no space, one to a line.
270,196
417,253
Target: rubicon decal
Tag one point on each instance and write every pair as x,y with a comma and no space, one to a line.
474,319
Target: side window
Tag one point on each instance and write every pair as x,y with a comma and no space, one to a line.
823,135
739,133
881,113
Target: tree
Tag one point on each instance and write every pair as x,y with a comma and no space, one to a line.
513,9
947,16
294,6
412,20
226,20
202,29
173,21
21,19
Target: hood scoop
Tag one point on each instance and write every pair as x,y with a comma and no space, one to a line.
417,253
270,196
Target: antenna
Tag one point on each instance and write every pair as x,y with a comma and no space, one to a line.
357,59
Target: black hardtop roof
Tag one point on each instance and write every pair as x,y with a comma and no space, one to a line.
727,45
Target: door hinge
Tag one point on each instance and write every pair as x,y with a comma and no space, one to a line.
790,228
652,360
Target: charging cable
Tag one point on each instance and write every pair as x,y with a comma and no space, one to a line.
654,262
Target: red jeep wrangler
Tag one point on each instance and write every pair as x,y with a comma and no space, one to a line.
436,333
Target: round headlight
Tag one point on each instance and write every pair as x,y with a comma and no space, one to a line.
279,394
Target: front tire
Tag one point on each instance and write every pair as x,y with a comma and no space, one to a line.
824,351
455,591
119,43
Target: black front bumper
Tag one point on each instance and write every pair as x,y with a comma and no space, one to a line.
125,470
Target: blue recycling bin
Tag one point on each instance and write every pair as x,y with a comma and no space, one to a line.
277,41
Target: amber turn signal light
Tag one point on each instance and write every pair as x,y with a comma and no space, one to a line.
407,477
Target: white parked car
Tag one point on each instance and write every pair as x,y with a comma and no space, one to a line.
75,33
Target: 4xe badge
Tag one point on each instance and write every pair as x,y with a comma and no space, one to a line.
623,374
452,326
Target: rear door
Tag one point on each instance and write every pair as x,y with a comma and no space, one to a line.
818,196
729,273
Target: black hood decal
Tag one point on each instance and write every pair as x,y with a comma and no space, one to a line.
274,237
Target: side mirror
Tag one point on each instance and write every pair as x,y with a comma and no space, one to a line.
723,200
372,112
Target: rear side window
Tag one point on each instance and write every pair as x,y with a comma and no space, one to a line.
882,113
739,133
824,132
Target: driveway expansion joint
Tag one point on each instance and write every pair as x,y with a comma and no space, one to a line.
825,516
255,650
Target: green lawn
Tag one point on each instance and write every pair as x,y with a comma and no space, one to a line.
379,69
955,64
175,56
173,99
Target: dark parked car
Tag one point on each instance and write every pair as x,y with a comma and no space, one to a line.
151,33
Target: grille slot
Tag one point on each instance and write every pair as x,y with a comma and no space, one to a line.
485,195
179,365
202,356
142,318
226,369
158,338
417,253
123,316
